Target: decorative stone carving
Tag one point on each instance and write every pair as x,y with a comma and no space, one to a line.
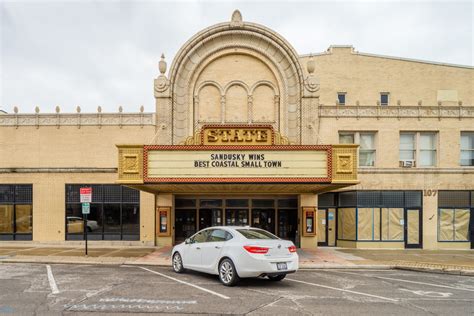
311,82
236,20
15,110
99,109
78,109
130,164
161,83
58,109
37,110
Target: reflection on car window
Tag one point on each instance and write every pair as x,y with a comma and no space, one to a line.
256,234
200,237
219,235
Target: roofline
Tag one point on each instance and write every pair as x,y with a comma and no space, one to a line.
389,57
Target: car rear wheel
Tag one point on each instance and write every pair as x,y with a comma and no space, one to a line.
227,273
277,277
178,263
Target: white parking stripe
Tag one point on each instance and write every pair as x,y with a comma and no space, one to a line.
52,282
344,290
190,284
408,281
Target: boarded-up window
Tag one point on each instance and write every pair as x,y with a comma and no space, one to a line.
453,224
368,224
392,223
346,223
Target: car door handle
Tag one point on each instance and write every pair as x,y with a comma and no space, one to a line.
198,248
217,247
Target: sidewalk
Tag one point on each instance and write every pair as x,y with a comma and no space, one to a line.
452,261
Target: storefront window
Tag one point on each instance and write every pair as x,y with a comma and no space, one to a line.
346,224
16,212
376,216
114,213
454,215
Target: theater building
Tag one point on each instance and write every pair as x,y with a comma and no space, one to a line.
338,148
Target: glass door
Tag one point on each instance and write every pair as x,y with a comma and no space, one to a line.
322,228
264,219
287,224
413,231
236,217
185,224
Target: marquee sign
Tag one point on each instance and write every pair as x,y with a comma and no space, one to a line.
174,164
240,154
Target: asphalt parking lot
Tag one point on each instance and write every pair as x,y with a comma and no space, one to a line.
41,289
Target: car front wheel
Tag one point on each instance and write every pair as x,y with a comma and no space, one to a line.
277,277
178,263
227,273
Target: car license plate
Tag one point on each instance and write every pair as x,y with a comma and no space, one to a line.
282,266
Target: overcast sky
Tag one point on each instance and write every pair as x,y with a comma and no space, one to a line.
92,53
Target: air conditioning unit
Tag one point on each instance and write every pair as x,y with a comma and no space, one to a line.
408,163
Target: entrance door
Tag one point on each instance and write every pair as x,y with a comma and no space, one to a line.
235,217
413,232
288,224
210,217
185,224
322,227
264,219
326,227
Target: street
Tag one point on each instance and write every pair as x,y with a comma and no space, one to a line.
62,289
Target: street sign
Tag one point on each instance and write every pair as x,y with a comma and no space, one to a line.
86,195
86,208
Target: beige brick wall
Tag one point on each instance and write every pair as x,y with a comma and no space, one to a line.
364,77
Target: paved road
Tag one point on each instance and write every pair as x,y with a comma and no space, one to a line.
40,289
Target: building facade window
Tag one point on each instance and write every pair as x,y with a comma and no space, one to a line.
418,149
367,148
467,149
114,213
384,98
341,98
455,209
16,212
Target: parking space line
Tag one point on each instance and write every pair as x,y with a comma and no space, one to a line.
408,281
52,282
344,290
186,283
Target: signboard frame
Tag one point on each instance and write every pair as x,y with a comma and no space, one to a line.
222,148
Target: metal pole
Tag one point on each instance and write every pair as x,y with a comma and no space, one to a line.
85,230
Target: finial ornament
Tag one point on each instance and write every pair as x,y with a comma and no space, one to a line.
78,109
311,82
142,108
15,109
310,65
162,64
37,110
58,109
99,109
236,19
161,83
120,109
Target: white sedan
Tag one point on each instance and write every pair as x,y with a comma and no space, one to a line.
236,252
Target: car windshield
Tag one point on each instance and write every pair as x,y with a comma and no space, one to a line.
256,234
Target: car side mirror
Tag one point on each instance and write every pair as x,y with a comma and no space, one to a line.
187,241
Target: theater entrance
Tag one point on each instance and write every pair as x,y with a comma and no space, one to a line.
278,215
